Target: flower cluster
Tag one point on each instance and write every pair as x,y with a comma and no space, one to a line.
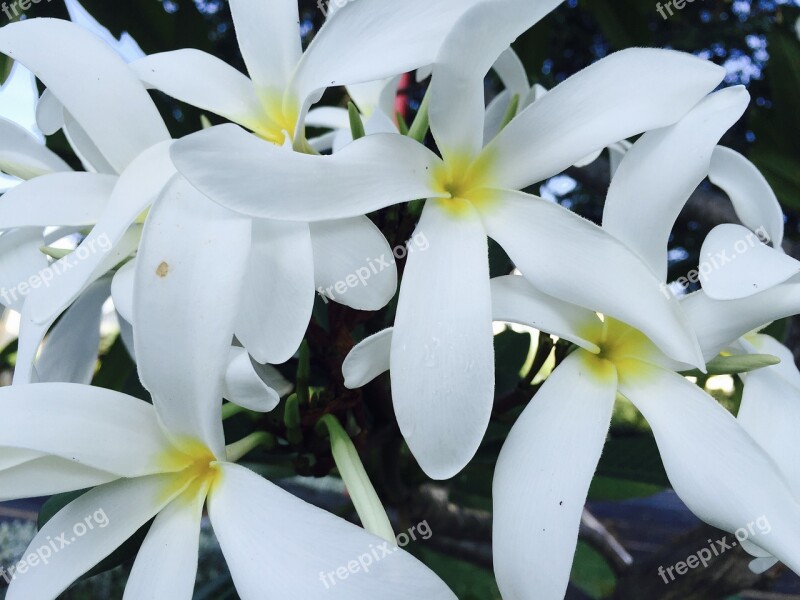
213,247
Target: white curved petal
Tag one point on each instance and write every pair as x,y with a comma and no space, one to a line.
495,113
770,412
31,336
92,82
204,81
24,156
593,270
249,513
166,564
126,333
189,274
628,92
91,426
737,264
716,468
328,117
354,256
516,300
763,344
105,246
470,49
368,359
269,39
121,507
752,197
70,351
249,175
48,475
617,152
660,172
542,479
20,259
244,387
719,323
86,150
378,95
442,355
122,290
392,39
49,113
65,199
277,296
512,73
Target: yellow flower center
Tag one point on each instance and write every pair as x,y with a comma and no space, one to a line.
466,182
280,118
622,349
194,467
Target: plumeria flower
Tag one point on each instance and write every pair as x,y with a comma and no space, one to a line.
111,122
769,412
714,465
167,460
441,353
368,42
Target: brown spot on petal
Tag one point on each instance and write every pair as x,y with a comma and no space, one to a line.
162,270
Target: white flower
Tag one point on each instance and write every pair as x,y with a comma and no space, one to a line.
442,366
168,459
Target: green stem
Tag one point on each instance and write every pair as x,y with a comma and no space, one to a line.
419,128
365,499
229,410
236,451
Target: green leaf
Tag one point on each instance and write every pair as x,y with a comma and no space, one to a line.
356,124
738,363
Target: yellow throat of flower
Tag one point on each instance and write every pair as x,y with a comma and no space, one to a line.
623,349
280,118
465,181
194,468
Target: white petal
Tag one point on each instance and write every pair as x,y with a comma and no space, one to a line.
249,514
442,356
392,39
137,187
166,565
763,344
375,96
204,81
752,197
328,117
92,82
354,256
122,290
512,73
91,426
244,387
88,152
533,231
770,412
368,359
20,258
269,39
249,175
495,113
660,172
66,199
189,274
115,511
516,300
716,468
479,37
719,323
48,475
736,264
70,351
49,113
23,156
761,565
277,299
628,92
542,479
